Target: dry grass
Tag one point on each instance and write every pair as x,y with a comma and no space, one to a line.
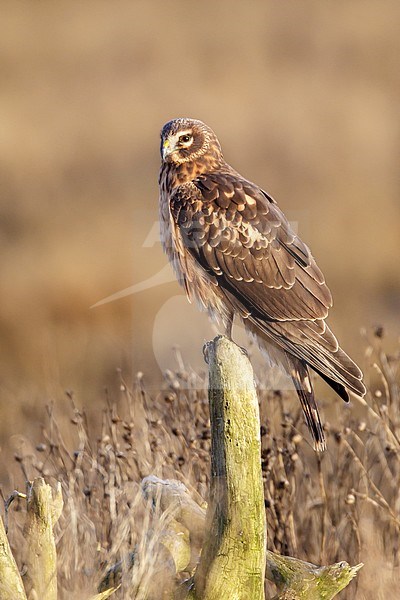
344,505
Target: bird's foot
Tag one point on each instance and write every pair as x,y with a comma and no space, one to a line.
206,349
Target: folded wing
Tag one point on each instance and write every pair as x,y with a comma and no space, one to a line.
238,234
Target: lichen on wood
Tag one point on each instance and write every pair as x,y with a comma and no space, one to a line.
44,507
11,586
232,563
300,580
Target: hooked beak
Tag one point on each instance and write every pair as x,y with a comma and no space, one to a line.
166,149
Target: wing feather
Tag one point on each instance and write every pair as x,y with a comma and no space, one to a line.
260,244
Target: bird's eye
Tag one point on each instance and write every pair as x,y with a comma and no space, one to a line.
185,138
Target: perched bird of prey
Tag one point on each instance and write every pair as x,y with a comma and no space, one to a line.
235,253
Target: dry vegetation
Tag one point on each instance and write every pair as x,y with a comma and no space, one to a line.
342,506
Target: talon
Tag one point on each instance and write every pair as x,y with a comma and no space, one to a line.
206,348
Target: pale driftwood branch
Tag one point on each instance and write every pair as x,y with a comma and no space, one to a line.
175,539
11,586
232,563
175,497
171,554
43,510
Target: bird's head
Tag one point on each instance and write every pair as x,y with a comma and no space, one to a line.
186,140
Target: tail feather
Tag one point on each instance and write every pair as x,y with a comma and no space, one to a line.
334,365
338,387
302,382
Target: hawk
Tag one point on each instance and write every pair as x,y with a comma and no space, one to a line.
235,253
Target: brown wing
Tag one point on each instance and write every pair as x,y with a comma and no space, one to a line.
239,236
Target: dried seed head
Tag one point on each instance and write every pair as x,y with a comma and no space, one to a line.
350,499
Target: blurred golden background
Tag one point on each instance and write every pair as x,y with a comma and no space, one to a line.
304,97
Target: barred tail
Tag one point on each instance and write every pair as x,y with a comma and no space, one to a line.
302,382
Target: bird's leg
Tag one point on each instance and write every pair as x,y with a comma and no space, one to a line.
229,325
228,331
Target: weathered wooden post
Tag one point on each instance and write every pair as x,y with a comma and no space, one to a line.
232,563
43,511
11,586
